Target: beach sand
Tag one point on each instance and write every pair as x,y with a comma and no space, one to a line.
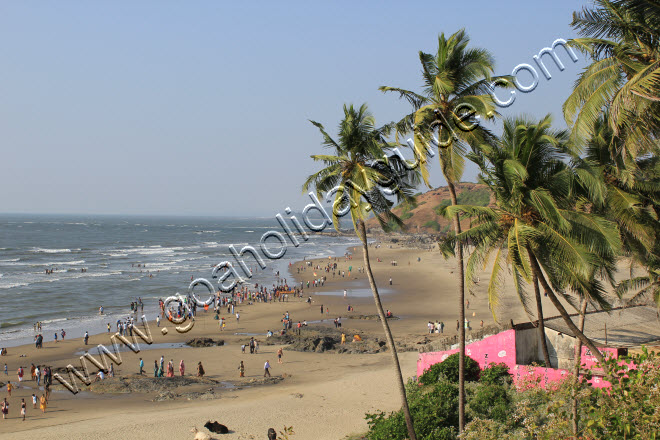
322,395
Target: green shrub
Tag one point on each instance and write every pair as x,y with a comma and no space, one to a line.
434,409
475,197
491,402
440,207
448,370
406,215
495,374
432,224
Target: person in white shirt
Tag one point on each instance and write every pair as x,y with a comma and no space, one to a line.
100,375
266,369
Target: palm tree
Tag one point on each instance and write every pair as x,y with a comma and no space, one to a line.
622,38
535,228
357,174
456,88
630,197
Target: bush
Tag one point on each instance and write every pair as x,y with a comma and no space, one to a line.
441,206
475,197
434,409
432,224
491,402
406,215
495,374
448,369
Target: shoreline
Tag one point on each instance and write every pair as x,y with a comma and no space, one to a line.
420,291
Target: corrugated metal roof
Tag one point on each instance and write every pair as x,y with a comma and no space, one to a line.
626,326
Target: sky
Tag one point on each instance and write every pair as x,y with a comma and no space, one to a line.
203,108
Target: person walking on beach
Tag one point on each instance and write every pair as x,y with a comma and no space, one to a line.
55,336
238,317
241,369
37,375
200,370
170,368
20,374
5,408
279,355
321,309
34,401
23,408
155,368
141,366
182,368
6,370
86,337
267,369
9,388
390,281
43,402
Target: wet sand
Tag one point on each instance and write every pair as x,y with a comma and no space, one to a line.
322,395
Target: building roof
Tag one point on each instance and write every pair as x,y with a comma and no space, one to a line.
620,327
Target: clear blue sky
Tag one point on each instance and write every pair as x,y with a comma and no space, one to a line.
202,108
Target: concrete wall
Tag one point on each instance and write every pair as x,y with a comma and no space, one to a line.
562,353
529,349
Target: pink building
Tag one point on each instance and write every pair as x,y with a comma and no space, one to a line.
519,347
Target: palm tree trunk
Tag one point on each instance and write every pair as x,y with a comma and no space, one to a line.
461,311
539,315
576,368
562,311
388,333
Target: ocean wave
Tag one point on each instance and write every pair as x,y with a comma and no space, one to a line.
58,263
50,321
13,285
8,324
51,251
8,260
97,274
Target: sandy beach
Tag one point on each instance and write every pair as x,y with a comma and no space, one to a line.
322,395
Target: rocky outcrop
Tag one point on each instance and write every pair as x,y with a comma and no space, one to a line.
321,339
205,342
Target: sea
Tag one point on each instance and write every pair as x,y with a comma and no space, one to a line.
110,261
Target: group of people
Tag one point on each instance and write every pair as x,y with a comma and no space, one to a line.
161,370
36,372
437,327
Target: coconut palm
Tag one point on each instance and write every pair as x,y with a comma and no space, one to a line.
361,182
457,86
622,38
630,196
535,228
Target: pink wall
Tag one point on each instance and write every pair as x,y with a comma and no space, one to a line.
501,348
526,376
497,348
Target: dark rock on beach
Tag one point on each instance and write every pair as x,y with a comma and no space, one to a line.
205,342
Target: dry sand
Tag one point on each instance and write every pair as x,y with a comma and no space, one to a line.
322,395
